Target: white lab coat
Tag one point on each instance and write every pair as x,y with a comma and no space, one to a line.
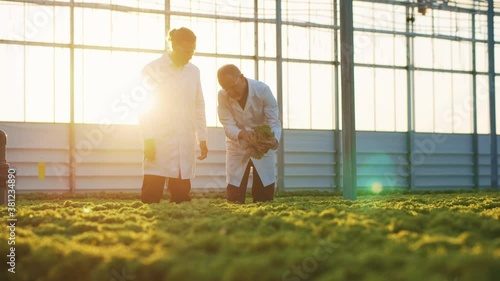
260,108
176,118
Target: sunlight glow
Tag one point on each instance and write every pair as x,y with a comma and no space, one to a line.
377,187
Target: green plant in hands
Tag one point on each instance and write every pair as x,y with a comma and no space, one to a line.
262,136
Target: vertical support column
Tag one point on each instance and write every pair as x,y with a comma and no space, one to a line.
256,39
337,135
410,89
491,79
348,106
279,88
475,137
71,125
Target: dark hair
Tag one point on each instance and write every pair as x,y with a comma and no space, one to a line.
181,34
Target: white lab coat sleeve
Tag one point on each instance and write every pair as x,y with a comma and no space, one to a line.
201,121
271,112
226,118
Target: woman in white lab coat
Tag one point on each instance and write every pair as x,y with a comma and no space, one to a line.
242,104
175,122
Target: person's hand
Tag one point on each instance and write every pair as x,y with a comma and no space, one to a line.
274,144
265,146
245,135
204,150
150,149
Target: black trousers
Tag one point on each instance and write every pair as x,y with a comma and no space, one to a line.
152,189
260,193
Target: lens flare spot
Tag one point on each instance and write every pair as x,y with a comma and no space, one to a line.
377,187
87,210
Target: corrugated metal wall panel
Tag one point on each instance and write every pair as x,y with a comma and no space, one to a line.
309,160
110,158
32,143
381,160
442,161
485,160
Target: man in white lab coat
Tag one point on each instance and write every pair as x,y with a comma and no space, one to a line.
242,104
175,122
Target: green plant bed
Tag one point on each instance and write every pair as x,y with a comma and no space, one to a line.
298,236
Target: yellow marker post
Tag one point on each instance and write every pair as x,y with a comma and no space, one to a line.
41,170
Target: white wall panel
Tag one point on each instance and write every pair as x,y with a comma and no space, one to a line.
111,159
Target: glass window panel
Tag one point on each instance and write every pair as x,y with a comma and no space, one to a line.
205,29
496,25
463,25
62,85
295,40
234,8
481,27
124,29
424,101
93,27
383,16
481,57
267,74
62,21
462,104
384,100
267,9
267,40
442,54
400,50
11,21
483,104
497,60
322,106
299,95
461,53
210,86
78,85
384,49
152,31
401,104
39,23
364,49
423,24
180,5
12,82
247,39
364,98
39,84
235,38
321,44
443,22
399,18
321,11
443,101
295,11
152,4
203,7
108,86
362,14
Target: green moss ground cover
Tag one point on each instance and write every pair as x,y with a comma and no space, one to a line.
308,236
